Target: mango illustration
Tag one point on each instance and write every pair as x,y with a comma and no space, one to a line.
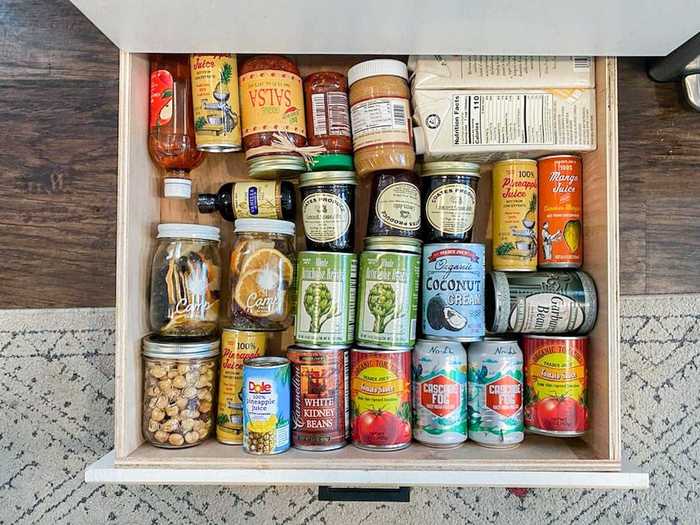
572,235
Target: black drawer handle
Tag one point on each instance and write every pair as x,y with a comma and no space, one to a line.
399,495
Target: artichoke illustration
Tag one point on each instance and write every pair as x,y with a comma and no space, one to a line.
381,301
318,303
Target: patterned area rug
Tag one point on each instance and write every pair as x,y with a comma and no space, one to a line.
57,407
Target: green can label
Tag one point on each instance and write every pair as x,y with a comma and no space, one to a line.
326,285
388,294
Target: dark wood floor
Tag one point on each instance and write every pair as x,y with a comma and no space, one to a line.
58,155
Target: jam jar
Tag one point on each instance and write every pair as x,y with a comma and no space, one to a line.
328,210
263,258
179,379
185,281
394,208
449,200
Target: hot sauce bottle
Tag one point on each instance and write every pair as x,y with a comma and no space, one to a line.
171,132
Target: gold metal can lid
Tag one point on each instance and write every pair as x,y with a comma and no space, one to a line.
511,162
393,244
274,166
320,178
449,167
158,347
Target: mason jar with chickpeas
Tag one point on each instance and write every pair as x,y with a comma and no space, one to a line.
179,378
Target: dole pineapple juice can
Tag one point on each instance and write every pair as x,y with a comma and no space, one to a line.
514,222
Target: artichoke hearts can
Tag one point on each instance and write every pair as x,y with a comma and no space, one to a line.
545,302
388,285
266,405
215,102
453,291
320,397
236,347
325,314
560,212
514,222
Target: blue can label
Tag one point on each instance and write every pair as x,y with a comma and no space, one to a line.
453,291
266,407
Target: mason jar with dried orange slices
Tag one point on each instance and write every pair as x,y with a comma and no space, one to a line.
262,274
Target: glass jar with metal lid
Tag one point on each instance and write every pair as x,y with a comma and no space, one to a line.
388,283
185,281
328,210
449,200
179,380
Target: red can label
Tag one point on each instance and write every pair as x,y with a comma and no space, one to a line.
161,102
556,384
320,414
380,398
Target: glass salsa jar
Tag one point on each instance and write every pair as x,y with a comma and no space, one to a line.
257,200
185,281
179,381
394,208
449,200
380,114
328,210
262,274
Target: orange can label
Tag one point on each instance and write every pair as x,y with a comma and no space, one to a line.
560,212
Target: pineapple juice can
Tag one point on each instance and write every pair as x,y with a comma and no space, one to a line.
215,104
514,223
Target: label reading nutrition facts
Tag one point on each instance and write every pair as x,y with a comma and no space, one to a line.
503,118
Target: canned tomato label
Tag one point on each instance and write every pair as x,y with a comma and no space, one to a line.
236,347
388,295
266,407
495,393
453,291
215,102
439,393
560,212
320,397
556,375
325,314
514,224
380,398
541,302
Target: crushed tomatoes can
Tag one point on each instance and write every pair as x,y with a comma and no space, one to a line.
320,397
556,373
560,212
380,398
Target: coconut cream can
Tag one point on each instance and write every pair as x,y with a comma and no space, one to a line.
453,291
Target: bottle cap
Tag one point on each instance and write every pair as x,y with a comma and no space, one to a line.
332,162
206,202
177,188
374,68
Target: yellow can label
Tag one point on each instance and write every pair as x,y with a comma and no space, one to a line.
260,200
272,100
236,347
514,224
215,100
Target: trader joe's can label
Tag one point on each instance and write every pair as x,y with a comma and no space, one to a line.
453,291
236,347
380,398
388,299
326,283
215,103
514,221
439,393
266,405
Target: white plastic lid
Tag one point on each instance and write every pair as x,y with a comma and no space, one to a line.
373,68
188,231
264,225
419,140
177,188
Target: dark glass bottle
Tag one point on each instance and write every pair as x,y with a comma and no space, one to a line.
254,199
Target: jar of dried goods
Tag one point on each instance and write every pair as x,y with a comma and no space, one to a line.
380,115
178,390
185,281
262,274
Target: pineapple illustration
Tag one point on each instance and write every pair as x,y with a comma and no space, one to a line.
221,91
531,216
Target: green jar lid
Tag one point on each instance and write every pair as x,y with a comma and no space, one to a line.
449,167
393,244
332,162
320,178
274,166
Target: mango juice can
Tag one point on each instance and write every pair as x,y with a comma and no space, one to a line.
266,405
236,347
560,212
514,222
215,104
